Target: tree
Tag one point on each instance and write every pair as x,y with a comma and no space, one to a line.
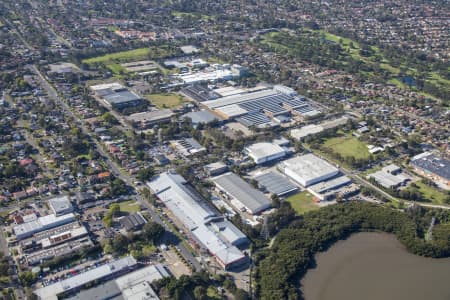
145,174
152,231
109,118
107,220
275,201
27,278
120,244
200,293
118,187
114,210
107,247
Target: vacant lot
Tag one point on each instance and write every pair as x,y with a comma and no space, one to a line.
169,100
122,56
113,60
348,146
302,202
433,194
130,206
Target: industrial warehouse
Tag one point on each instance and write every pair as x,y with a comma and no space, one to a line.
214,73
75,283
308,169
260,106
210,230
131,286
390,177
320,178
147,119
265,152
116,96
242,195
276,184
433,166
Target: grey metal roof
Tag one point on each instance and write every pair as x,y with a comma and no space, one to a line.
121,97
133,221
254,200
202,116
276,183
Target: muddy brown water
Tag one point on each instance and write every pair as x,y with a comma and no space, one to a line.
376,266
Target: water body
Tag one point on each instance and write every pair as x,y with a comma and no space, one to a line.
376,266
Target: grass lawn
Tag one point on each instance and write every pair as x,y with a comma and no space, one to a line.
139,53
302,202
130,206
348,146
116,68
433,194
112,60
166,100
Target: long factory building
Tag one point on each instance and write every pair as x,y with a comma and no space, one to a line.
209,229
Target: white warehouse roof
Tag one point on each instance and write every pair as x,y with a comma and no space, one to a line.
264,152
185,203
217,235
308,169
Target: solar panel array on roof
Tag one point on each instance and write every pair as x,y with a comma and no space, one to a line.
433,164
255,119
268,101
294,103
276,183
272,104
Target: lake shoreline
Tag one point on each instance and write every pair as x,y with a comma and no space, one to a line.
375,265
